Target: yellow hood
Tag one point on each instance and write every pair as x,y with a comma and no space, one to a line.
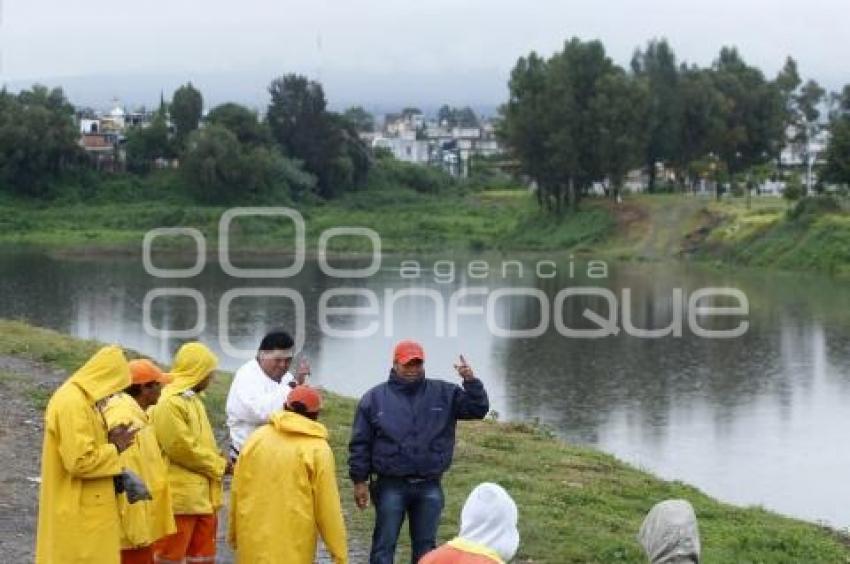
288,422
103,374
192,363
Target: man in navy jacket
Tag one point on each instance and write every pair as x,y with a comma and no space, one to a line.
402,442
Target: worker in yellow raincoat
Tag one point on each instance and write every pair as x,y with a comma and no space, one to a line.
195,465
142,522
77,506
284,489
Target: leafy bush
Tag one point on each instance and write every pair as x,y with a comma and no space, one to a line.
490,178
218,169
812,206
793,189
390,174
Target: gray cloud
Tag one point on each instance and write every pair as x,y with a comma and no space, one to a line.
383,51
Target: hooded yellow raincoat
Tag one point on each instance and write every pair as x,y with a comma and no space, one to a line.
195,466
77,506
284,489
142,522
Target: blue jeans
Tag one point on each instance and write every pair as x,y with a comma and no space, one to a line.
422,501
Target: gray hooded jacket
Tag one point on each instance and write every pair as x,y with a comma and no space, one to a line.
669,534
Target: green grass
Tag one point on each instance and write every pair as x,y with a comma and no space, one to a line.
768,237
576,504
407,221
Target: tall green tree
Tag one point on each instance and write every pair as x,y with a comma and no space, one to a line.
550,124
788,81
457,117
703,121
466,117
621,111
242,122
837,168
753,109
656,64
187,105
809,101
300,123
360,119
146,144
575,76
38,139
525,122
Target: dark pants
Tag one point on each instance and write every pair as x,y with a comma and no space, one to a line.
421,500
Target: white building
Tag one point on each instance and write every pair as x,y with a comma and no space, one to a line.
794,154
89,125
114,121
404,148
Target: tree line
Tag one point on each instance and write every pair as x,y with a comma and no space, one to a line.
577,118
299,147
571,120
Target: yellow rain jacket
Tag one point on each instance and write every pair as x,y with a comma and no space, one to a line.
142,522
77,506
284,489
195,466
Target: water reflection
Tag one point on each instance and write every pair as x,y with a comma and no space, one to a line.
755,419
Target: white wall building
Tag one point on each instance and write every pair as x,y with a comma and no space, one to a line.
404,148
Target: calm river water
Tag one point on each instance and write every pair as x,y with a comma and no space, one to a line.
756,419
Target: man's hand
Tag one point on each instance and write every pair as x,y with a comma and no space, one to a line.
302,371
464,370
122,436
361,495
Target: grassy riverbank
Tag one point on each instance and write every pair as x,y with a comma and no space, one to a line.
812,237
455,218
407,221
576,504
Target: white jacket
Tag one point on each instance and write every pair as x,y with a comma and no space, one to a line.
252,398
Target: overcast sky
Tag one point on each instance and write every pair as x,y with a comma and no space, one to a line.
384,52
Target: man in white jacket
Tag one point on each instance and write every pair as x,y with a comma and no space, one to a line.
260,388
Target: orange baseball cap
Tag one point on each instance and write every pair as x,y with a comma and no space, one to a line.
406,351
306,396
143,371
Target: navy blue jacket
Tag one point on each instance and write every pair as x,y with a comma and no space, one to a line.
407,429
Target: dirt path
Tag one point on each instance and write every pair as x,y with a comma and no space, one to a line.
24,388
22,383
667,229
655,229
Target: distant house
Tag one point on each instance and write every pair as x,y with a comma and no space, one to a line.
771,188
404,149
411,138
405,124
794,153
101,148
115,120
89,125
103,134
